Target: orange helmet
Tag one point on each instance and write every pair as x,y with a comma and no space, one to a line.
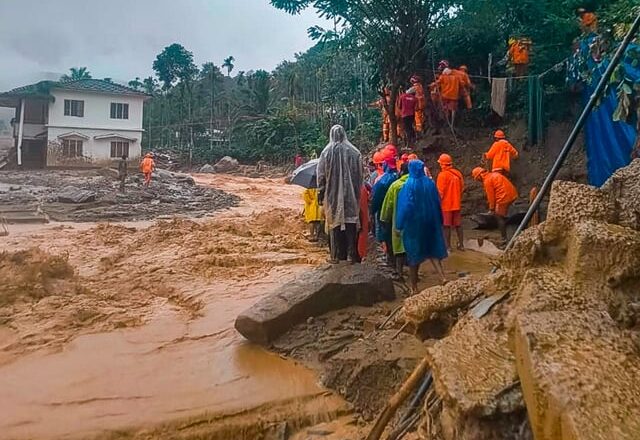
499,135
378,157
412,156
477,172
445,159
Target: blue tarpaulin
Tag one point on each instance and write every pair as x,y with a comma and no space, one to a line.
608,143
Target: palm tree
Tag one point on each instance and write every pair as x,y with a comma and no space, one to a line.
76,74
228,64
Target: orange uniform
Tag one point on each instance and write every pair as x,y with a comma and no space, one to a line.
465,87
589,21
519,53
450,184
449,85
421,105
500,192
147,166
501,153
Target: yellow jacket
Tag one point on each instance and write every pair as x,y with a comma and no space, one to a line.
312,210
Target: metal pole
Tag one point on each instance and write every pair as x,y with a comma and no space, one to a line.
576,130
20,132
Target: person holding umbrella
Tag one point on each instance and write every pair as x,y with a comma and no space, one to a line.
340,178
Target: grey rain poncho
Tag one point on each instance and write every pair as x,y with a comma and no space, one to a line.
339,180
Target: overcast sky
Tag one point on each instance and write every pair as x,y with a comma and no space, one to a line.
41,39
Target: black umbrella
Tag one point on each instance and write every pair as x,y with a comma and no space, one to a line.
306,175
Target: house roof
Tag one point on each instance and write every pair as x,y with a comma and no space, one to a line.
98,86
43,89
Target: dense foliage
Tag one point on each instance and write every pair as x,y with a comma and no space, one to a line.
202,113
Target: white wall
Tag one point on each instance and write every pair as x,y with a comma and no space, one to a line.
95,151
97,111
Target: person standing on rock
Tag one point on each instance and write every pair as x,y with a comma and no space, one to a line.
122,172
501,153
340,178
147,166
419,219
500,192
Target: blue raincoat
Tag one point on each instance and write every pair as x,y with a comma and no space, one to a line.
379,191
419,217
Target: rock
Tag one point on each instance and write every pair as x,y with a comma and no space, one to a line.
226,164
71,194
317,292
108,172
207,169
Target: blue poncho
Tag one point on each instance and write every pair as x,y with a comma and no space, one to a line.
379,191
419,217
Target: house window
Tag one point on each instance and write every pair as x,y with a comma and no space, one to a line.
73,108
119,149
71,148
119,110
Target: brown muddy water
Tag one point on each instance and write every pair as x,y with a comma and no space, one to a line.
141,336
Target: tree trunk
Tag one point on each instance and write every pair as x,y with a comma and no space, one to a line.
391,111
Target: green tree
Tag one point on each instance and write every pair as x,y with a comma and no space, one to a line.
150,85
174,64
76,73
228,64
136,84
392,36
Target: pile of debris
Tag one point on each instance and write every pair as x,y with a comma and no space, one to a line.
229,165
549,344
93,195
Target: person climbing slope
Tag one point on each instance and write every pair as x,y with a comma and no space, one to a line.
388,215
147,166
421,103
500,192
450,184
419,218
339,180
501,153
449,87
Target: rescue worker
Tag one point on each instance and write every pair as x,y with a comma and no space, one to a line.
408,103
339,175
123,172
312,213
419,218
434,110
500,192
378,161
465,85
450,185
147,166
518,55
388,215
449,89
588,21
386,123
378,193
421,103
501,153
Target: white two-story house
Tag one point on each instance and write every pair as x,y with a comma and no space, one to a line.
87,122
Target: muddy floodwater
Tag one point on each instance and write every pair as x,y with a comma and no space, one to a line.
138,332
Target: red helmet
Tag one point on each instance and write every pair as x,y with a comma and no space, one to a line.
391,149
445,159
499,135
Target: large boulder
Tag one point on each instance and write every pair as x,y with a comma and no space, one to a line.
226,164
207,169
71,194
315,293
